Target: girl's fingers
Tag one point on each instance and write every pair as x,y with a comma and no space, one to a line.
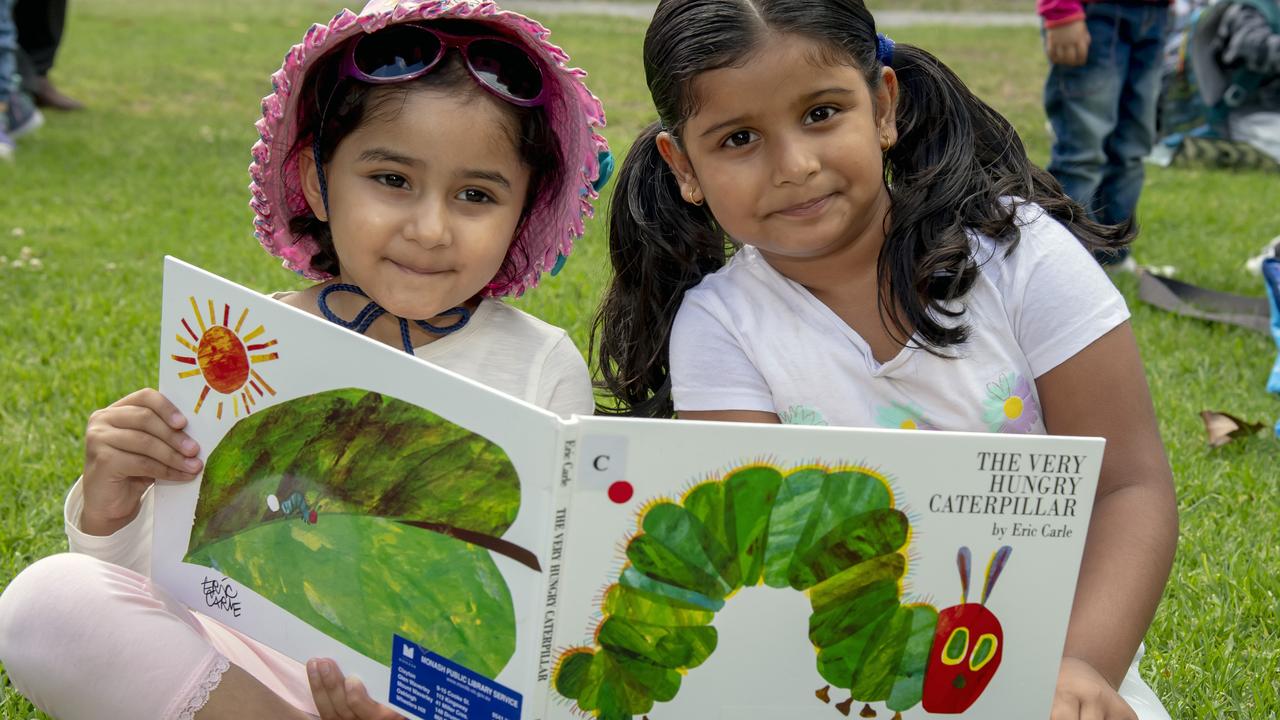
131,466
334,686
134,465
121,478
358,698
1121,710
157,403
142,466
146,420
1093,710
364,706
343,698
135,444
1065,707
318,693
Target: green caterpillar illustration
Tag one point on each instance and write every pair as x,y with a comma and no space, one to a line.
833,533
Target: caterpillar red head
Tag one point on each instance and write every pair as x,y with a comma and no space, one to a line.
967,644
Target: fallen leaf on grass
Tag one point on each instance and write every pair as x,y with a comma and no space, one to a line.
1225,427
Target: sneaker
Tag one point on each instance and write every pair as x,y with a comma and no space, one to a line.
6,146
1125,265
1270,250
22,116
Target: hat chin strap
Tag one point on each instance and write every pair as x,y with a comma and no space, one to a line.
373,311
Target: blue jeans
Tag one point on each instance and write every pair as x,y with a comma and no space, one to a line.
8,53
1104,112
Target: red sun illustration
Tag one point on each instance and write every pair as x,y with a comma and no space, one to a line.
224,359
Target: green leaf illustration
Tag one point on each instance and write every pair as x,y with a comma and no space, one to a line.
366,516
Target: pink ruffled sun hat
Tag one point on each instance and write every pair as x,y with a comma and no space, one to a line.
554,222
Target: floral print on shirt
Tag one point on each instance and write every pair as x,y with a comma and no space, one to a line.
1011,405
802,415
903,416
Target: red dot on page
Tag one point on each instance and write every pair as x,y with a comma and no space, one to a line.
621,491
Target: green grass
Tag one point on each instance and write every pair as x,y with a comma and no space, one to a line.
158,166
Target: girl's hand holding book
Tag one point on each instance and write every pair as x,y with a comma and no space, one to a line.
1083,693
128,446
343,698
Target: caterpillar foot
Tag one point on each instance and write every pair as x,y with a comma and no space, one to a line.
867,712
823,693
843,707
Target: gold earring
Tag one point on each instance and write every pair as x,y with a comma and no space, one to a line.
690,196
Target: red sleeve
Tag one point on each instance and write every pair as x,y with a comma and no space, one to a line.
1059,12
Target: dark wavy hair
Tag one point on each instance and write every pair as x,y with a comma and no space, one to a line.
332,109
955,159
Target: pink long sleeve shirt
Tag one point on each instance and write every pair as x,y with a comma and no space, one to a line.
1061,12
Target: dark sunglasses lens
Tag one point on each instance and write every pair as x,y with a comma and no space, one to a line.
506,68
396,51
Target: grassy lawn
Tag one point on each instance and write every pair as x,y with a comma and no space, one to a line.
158,166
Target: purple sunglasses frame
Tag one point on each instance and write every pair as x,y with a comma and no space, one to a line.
448,41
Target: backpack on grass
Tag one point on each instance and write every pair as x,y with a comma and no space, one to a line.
1198,96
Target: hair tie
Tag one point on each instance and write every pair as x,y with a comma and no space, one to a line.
884,49
605,159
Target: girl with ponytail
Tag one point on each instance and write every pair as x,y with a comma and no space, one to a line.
825,228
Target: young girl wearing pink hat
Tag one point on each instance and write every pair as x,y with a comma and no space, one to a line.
420,160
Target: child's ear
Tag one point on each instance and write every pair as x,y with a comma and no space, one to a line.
678,161
887,108
311,184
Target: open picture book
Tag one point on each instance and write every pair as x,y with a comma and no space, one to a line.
469,555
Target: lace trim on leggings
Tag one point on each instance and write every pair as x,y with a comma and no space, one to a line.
200,695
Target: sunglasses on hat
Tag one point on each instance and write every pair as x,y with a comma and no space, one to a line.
408,51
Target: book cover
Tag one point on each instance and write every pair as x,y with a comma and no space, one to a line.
471,556
749,571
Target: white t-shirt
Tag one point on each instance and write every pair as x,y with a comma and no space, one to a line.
502,347
515,352
747,338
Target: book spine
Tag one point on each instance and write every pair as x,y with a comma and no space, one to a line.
566,477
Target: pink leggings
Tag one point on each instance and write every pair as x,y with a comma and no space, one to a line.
82,638
86,639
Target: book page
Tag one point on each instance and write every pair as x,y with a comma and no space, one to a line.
718,570
338,516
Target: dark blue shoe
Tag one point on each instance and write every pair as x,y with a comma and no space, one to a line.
22,117
1114,261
